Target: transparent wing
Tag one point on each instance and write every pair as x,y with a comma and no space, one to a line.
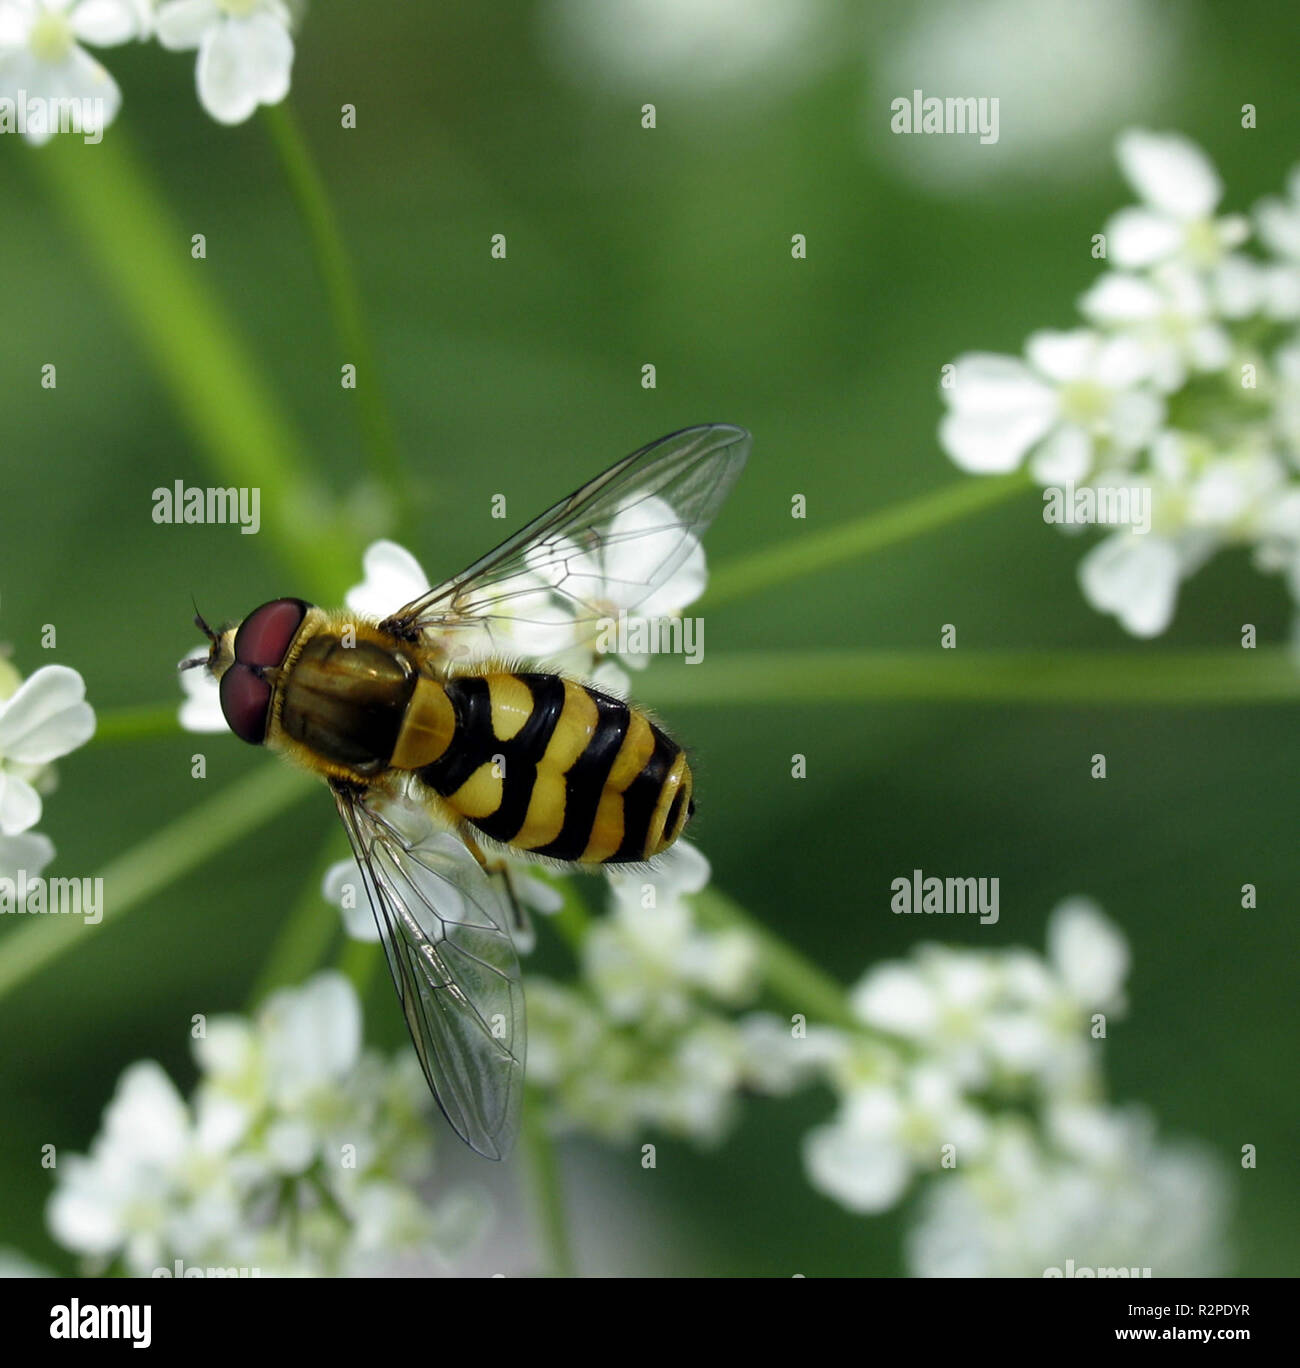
620,537
445,933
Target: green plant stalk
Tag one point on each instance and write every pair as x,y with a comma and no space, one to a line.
795,980
305,934
172,851
544,1190
817,551
1119,678
1126,678
344,298
144,255
147,721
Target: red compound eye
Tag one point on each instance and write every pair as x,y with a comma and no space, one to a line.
245,703
267,632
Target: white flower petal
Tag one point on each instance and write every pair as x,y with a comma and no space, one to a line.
345,889
1279,227
1062,356
313,1033
865,1175
1170,173
30,851
991,444
243,63
15,23
81,1214
896,998
201,710
1209,347
20,805
1135,578
988,384
147,1118
393,577
1120,362
1089,953
1118,297
47,717
182,23
1065,457
1140,238
105,23
1135,418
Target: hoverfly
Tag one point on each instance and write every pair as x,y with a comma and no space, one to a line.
445,752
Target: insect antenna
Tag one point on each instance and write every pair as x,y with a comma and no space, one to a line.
199,622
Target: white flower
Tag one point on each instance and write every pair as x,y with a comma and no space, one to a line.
866,1157
940,1003
393,577
47,717
647,959
1286,412
778,1060
201,709
1180,190
118,1197
1135,578
41,59
1278,220
1116,1200
527,618
1079,396
642,550
30,851
250,1172
1171,315
245,51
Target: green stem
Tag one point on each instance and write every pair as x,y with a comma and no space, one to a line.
795,980
344,297
360,961
816,551
144,255
172,851
1140,675
545,1191
305,934
147,721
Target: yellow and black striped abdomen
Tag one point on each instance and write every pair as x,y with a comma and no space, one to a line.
558,768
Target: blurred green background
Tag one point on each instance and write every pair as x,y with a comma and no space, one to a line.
523,376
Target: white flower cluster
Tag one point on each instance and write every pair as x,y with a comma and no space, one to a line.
976,1070
1181,395
643,1041
1103,1198
297,1155
983,1069
41,718
50,83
